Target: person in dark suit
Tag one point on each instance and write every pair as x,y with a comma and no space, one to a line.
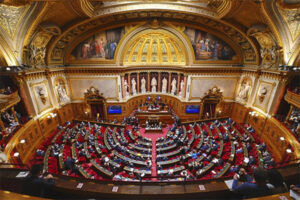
39,184
250,189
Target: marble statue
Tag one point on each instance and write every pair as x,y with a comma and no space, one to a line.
143,85
164,85
173,90
133,86
153,84
262,94
126,88
62,94
181,88
244,92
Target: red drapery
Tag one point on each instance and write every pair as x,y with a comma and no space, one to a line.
210,109
97,108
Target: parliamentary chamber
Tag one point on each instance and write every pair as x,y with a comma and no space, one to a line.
102,61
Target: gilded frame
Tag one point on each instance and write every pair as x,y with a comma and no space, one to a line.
89,78
42,83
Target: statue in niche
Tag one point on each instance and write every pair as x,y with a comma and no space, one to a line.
143,85
133,86
42,94
164,85
126,88
262,94
245,90
153,84
173,90
181,88
62,94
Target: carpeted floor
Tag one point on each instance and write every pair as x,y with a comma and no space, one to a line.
153,137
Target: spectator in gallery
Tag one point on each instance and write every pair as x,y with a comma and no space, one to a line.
39,183
252,189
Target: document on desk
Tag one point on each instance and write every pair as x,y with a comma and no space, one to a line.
115,189
294,194
22,174
229,184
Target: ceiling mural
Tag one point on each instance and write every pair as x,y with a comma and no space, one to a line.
208,47
99,46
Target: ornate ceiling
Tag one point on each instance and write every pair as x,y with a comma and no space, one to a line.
40,33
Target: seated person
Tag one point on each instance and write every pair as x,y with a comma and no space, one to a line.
252,189
38,184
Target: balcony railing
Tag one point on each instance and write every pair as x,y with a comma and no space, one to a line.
292,98
6,101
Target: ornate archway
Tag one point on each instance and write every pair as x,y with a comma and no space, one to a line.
210,102
96,102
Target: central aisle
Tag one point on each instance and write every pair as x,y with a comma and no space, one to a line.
153,137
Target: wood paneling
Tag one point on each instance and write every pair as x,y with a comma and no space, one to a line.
65,113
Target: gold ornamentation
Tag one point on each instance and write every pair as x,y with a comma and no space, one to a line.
268,50
92,94
214,92
154,46
292,18
10,16
36,51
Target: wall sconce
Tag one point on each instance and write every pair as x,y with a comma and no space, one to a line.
16,154
52,115
288,150
281,138
254,114
22,141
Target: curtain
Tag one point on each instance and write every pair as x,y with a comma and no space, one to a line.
97,108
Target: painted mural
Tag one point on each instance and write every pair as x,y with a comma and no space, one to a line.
99,46
208,47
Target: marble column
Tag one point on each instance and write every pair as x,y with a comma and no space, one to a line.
138,83
122,86
169,83
159,82
185,86
148,82
129,84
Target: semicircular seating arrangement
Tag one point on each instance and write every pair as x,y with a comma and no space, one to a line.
194,151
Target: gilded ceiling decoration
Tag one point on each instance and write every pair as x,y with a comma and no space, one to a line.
10,16
155,47
292,19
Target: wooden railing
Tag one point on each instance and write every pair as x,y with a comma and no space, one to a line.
292,98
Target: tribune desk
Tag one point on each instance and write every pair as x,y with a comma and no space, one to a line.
163,116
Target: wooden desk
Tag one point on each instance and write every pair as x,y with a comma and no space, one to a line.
153,131
164,117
